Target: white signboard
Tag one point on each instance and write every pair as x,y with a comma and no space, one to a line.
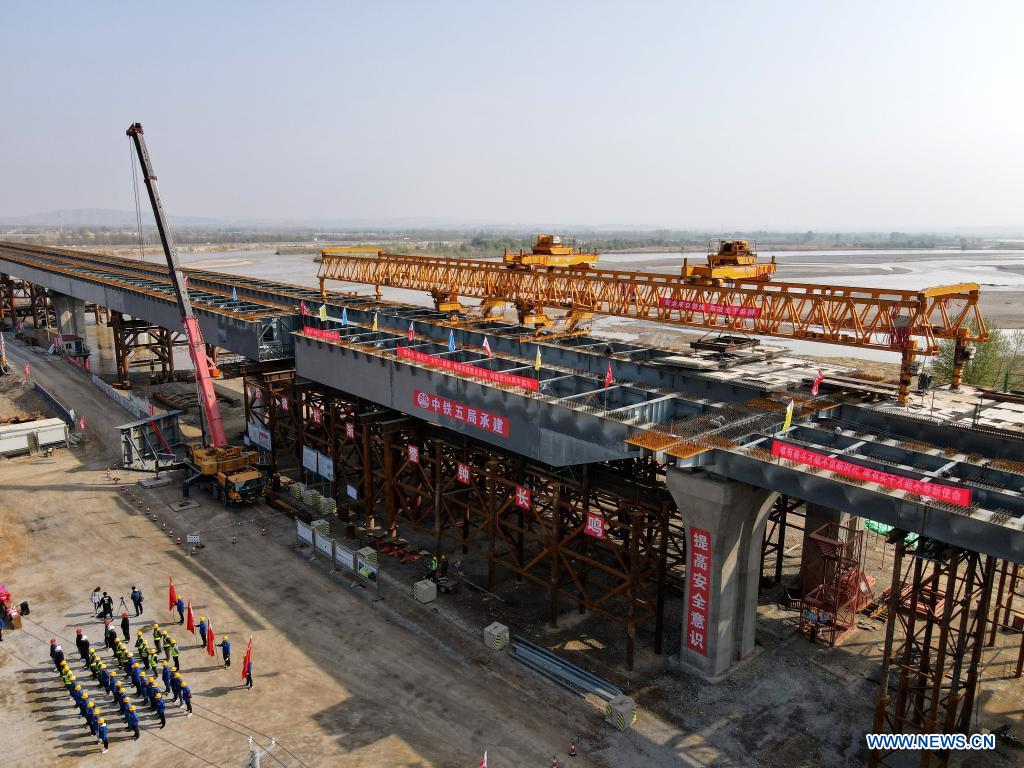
352,492
325,546
344,557
324,466
192,538
259,435
309,458
303,532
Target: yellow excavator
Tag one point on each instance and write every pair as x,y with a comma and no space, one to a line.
729,261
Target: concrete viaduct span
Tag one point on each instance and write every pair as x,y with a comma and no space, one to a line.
699,433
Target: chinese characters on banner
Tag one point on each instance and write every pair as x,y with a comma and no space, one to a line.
318,415
414,454
488,422
320,333
948,493
595,525
699,576
708,308
462,473
522,497
350,430
283,401
468,370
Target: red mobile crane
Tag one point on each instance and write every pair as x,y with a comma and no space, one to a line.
227,471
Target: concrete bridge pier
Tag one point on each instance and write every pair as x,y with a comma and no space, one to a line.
70,314
724,521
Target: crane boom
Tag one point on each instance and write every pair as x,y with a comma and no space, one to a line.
910,323
196,345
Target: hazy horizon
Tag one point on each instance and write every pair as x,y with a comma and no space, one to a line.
656,115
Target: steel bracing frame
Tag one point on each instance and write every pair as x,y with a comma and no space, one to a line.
132,336
784,514
622,577
934,637
831,582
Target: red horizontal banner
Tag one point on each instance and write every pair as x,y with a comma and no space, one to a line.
466,369
488,422
947,493
709,308
320,333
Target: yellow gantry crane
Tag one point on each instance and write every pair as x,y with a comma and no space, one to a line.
733,293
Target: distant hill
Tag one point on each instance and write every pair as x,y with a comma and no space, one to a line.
103,218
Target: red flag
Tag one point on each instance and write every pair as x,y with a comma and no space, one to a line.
172,596
302,308
487,347
190,620
27,369
410,334
248,658
483,763
608,378
81,424
209,639
817,380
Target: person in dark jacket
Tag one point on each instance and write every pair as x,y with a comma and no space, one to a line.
160,709
248,675
107,606
186,697
82,643
137,600
225,647
180,605
133,721
101,734
126,626
109,634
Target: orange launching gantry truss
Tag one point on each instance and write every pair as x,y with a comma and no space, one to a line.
732,294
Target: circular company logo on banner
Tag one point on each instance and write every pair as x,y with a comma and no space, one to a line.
423,400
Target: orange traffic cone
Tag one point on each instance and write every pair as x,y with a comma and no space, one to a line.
179,540
554,761
164,526
263,532
572,749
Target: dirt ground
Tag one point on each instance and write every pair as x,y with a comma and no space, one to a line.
343,677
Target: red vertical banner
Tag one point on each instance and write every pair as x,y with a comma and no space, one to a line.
595,525
414,454
699,575
463,473
522,497
350,430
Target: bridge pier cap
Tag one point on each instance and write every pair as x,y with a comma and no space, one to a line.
724,522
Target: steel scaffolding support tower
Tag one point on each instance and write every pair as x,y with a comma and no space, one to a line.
934,637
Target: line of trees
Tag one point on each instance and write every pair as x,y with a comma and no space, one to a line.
997,363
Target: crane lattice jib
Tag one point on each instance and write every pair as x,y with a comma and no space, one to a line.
876,318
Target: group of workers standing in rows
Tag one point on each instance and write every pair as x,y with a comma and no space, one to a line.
145,676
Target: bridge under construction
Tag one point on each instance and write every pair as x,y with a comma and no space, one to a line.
609,473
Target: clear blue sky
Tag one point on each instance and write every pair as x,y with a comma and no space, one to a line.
682,114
